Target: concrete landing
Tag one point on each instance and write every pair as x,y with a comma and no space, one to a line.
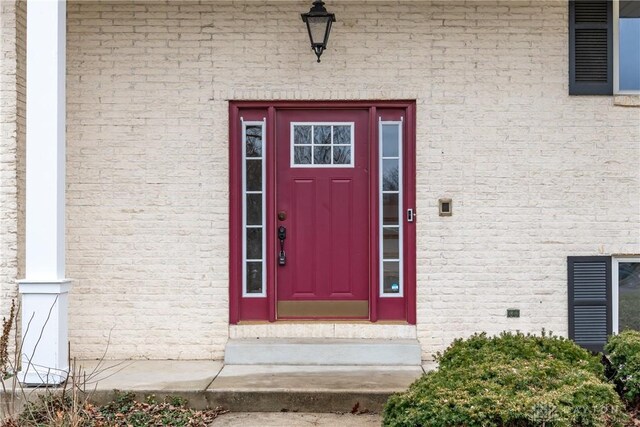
143,375
252,388
309,351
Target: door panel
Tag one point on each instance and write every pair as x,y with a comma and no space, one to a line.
327,213
341,280
302,218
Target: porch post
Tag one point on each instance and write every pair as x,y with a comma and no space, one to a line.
44,290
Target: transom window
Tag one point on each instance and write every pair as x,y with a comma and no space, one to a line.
322,144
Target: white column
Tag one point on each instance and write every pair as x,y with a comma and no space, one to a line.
45,289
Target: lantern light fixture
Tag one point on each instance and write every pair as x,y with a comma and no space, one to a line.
318,22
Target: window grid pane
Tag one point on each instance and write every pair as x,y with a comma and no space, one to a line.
254,278
253,210
390,189
391,277
253,144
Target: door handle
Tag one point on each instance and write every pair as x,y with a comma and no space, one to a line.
282,235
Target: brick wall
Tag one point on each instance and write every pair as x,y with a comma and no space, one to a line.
12,148
534,174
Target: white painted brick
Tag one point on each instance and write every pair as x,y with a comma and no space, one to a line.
535,175
12,148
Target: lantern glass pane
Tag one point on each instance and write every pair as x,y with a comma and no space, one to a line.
326,33
317,28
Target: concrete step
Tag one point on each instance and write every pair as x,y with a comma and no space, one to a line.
322,351
248,388
276,388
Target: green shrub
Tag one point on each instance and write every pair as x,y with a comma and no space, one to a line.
624,353
509,346
509,380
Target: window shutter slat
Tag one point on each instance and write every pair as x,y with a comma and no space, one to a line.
589,301
590,47
591,65
591,11
590,325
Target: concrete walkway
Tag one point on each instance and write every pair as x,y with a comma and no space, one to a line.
252,388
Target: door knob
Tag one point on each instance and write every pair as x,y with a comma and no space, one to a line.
282,215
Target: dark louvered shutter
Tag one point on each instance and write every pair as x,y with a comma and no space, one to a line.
590,301
590,47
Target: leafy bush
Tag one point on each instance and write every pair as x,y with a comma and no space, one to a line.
51,409
509,380
624,354
125,411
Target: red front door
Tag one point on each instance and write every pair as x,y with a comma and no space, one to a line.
339,177
322,201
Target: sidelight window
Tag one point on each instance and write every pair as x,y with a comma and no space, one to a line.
253,209
390,185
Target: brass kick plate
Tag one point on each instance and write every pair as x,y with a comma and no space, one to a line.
323,308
